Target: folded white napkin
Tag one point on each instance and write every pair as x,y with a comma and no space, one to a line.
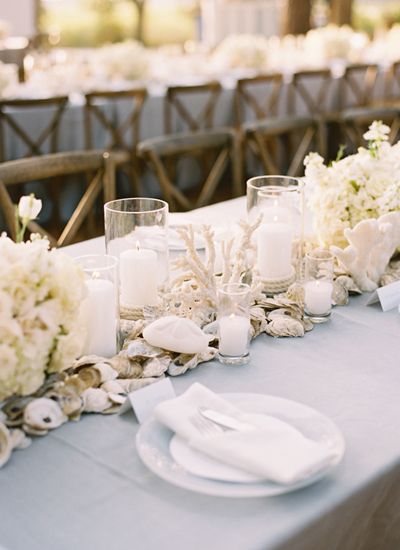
274,450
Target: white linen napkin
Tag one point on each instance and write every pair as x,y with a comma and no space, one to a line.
274,450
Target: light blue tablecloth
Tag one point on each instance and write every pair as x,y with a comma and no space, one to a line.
83,486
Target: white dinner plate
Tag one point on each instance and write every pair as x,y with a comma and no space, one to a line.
153,445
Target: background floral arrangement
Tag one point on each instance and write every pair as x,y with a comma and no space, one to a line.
248,51
40,294
129,60
360,186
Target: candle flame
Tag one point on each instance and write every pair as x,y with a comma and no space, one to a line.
95,275
232,316
275,219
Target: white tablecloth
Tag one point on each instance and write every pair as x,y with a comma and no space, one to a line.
83,486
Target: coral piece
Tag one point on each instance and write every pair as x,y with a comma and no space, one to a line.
372,243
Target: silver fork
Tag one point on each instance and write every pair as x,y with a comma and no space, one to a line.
205,427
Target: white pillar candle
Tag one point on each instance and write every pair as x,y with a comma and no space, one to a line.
100,310
318,297
233,335
138,277
274,250
275,213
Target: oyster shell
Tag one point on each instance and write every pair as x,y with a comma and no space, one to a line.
340,294
113,386
6,445
125,367
95,400
41,415
156,366
106,372
137,383
185,362
283,325
14,408
68,399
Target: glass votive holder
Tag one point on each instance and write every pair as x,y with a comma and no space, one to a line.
136,231
279,202
234,323
100,311
318,285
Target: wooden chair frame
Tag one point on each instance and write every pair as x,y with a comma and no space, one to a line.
316,102
264,134
117,132
101,165
58,103
362,93
173,103
392,83
244,96
355,122
159,151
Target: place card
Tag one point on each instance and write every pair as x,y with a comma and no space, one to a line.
388,296
144,400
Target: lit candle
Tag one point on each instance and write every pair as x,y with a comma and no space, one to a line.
100,310
233,335
138,276
274,250
275,213
318,297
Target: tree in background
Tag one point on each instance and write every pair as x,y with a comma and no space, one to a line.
297,19
341,12
140,5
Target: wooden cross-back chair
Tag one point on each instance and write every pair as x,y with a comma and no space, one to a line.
122,134
175,104
392,84
225,145
282,143
99,164
357,85
355,122
257,96
310,89
10,109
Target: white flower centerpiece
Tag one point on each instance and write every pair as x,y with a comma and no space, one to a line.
245,51
40,295
360,186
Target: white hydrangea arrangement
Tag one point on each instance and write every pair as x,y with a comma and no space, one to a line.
360,186
333,42
248,51
40,294
128,60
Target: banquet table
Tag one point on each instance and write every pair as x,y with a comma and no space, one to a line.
84,486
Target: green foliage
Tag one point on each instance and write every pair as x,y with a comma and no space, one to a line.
104,21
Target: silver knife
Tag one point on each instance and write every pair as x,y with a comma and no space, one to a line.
225,420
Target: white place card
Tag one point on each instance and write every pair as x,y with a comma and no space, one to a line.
144,400
388,296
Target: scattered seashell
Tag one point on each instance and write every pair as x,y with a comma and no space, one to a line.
113,386
283,325
14,408
348,283
6,445
295,293
117,398
125,367
176,334
88,360
95,400
137,383
156,366
43,414
140,348
340,294
68,399
19,439
185,362
106,372
90,377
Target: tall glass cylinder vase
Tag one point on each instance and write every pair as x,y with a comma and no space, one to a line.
278,201
136,231
100,311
